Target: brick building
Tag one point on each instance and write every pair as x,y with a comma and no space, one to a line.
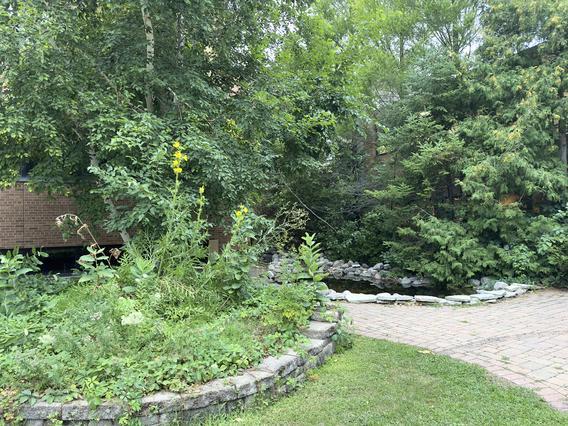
27,219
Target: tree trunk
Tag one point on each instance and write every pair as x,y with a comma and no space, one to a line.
562,143
111,206
149,31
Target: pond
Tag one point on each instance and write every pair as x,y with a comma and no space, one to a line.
366,287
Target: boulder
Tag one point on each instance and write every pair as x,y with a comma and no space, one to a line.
498,293
428,299
385,297
403,298
361,298
421,282
333,295
500,285
523,286
484,296
474,282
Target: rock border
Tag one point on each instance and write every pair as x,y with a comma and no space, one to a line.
273,377
378,275
490,294
488,290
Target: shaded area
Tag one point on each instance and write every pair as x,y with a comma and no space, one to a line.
366,287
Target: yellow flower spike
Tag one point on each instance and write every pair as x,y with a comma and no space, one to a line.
185,157
201,189
177,145
176,163
178,155
177,170
238,213
245,210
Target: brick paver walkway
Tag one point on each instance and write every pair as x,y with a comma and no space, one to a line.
523,340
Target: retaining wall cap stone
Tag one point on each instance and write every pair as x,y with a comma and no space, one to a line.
245,384
314,346
320,330
42,410
80,411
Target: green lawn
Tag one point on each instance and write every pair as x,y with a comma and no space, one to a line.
383,383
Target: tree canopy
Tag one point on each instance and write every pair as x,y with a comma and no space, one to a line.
428,133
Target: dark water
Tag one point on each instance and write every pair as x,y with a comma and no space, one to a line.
365,287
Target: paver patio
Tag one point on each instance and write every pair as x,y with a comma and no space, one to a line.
523,340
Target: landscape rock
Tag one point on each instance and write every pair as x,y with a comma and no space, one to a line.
403,297
462,298
361,298
333,295
450,302
500,285
474,282
428,299
498,293
320,330
386,297
484,296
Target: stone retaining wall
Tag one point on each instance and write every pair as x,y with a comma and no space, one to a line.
274,376
378,275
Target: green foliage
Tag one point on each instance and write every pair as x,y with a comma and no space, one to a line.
442,250
18,291
169,316
85,106
447,164
95,266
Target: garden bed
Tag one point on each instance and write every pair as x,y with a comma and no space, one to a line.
273,376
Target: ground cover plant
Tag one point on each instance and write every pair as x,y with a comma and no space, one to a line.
383,383
170,315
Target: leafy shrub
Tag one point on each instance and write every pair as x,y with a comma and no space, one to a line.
441,249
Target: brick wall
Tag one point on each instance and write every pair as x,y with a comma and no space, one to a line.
217,233
27,219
